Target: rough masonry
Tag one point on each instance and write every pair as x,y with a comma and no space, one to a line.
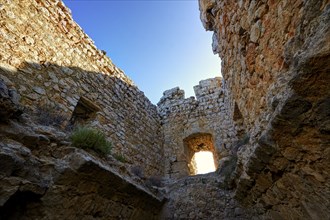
266,121
202,120
55,66
275,64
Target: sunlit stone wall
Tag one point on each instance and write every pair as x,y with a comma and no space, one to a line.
275,65
185,117
53,63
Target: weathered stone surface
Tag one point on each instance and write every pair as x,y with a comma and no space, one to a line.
266,121
275,65
60,66
9,102
201,197
191,125
68,183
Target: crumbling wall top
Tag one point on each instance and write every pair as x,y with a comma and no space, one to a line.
207,87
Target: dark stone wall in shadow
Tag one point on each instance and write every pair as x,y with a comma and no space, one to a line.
127,117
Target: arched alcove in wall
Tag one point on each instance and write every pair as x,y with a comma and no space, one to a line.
84,111
195,143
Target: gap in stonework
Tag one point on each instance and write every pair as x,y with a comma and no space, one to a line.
204,162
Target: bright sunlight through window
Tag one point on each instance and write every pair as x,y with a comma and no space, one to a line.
204,162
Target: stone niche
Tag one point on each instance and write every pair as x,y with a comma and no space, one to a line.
196,143
84,111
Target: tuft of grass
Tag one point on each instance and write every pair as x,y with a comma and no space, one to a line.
120,158
90,138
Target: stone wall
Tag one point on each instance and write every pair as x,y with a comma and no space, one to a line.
183,119
251,52
41,177
201,197
268,118
55,66
275,63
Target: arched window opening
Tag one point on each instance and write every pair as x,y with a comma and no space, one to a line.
200,153
204,161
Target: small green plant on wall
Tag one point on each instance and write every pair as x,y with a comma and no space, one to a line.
120,158
90,138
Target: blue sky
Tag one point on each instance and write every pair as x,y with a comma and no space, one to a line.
158,44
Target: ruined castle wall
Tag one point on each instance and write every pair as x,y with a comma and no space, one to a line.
183,117
250,38
52,62
275,64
